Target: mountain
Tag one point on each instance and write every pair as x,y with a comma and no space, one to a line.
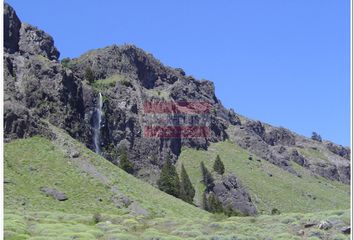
66,123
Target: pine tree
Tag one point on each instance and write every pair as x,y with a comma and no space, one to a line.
205,202
214,204
169,180
219,166
187,191
124,162
208,179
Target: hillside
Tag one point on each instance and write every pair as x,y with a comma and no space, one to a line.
92,184
270,187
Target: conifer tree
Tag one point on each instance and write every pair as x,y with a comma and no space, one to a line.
205,202
214,204
187,191
219,166
124,162
169,180
208,179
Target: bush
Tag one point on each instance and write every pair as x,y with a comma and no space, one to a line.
89,75
316,137
65,62
126,83
97,218
275,211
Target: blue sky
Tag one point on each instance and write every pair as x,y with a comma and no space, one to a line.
283,62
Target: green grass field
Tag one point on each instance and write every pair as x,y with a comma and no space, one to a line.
283,190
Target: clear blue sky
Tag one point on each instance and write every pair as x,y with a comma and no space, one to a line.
284,62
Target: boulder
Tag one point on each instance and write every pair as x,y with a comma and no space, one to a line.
325,225
345,230
60,196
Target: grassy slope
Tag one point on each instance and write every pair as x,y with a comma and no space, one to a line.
283,190
36,162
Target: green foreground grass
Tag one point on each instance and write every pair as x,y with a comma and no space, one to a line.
270,186
59,225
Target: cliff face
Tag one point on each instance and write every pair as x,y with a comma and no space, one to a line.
39,89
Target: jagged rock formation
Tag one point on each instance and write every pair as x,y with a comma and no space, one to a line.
39,88
282,147
43,88
20,123
12,27
232,195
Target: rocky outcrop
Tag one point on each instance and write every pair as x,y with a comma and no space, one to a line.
36,86
283,148
12,27
36,42
47,89
253,136
339,150
20,123
231,194
24,38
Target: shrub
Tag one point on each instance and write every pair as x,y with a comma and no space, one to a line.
275,211
316,137
126,83
65,62
97,218
89,75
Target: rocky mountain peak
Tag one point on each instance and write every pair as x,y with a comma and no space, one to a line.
36,42
12,25
27,39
